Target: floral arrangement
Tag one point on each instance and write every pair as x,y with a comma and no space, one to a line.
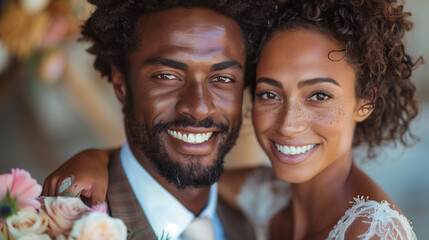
35,32
25,216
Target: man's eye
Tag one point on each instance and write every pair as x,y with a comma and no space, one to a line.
268,96
165,77
222,79
320,96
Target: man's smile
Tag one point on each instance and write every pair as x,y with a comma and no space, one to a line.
195,138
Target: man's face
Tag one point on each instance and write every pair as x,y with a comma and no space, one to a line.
183,97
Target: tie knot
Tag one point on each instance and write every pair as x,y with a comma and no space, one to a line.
200,228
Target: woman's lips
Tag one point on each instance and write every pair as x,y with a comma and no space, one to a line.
293,154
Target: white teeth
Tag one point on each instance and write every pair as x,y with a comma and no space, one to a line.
198,138
208,135
191,137
286,149
292,150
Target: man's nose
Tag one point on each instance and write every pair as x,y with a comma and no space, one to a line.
196,100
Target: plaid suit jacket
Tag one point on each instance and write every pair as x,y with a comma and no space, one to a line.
124,205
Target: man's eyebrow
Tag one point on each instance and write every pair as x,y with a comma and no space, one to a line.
270,81
312,81
165,62
225,65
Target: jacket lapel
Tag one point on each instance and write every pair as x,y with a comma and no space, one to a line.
124,205
235,225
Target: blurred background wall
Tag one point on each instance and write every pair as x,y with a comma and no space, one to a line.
53,104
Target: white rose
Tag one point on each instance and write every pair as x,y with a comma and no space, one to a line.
33,236
63,212
98,226
27,223
34,6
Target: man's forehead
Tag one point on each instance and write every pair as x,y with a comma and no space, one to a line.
184,24
199,33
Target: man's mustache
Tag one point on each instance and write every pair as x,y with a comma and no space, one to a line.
189,121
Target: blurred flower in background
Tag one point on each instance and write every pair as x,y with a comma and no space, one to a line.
32,31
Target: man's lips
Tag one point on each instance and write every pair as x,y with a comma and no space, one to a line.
196,137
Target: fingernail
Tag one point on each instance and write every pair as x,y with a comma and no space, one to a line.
65,184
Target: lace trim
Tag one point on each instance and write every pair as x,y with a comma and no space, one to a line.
383,221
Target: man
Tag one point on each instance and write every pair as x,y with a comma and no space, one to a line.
178,69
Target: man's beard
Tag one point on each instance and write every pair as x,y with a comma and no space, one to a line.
182,175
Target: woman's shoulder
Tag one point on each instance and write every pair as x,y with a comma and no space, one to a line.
369,219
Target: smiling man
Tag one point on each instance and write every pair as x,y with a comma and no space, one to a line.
178,68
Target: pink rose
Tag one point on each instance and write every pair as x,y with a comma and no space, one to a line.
63,212
22,187
98,225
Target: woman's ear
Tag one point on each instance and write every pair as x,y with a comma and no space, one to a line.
119,84
363,109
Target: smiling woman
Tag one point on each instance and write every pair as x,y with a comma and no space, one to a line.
333,75
305,109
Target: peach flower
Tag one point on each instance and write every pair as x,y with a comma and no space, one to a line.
63,212
25,223
33,236
98,225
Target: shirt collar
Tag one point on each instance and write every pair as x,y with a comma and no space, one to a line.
166,215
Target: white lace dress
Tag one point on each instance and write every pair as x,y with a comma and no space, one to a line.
262,197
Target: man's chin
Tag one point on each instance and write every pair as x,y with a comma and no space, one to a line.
193,171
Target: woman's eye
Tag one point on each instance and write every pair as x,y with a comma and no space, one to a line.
222,79
268,96
320,96
165,77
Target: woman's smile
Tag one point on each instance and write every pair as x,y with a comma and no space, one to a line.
305,107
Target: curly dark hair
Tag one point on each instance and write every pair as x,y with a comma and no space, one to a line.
373,32
112,26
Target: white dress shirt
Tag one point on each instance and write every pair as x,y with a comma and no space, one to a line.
166,215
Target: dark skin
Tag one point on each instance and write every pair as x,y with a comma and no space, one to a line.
305,100
193,65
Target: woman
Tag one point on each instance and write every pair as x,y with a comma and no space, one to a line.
331,76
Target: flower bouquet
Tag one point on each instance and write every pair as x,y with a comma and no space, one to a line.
24,215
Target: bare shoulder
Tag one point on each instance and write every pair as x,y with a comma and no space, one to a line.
363,185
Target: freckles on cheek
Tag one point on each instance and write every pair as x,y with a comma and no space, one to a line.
329,120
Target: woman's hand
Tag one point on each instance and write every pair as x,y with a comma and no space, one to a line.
84,175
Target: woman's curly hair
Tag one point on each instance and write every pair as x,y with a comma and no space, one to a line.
373,33
112,26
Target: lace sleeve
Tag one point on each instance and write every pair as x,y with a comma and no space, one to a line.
368,219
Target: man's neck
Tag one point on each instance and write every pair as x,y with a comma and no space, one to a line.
194,199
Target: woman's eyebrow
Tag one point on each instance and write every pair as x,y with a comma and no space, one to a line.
270,81
313,81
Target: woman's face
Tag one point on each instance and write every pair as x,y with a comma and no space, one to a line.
305,109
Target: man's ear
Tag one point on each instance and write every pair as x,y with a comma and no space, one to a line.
363,110
119,84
